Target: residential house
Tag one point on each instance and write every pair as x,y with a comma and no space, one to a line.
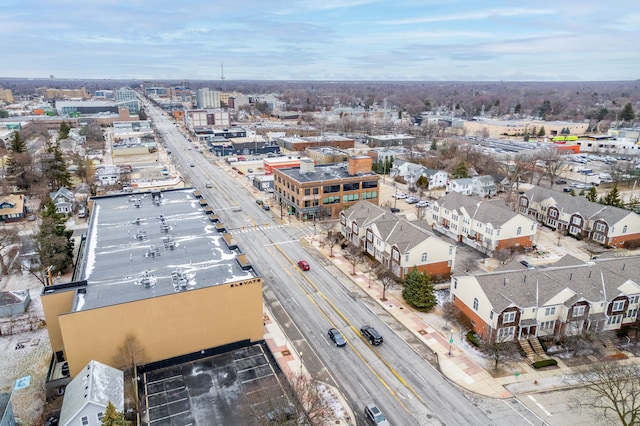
64,200
487,226
552,302
502,183
483,186
410,172
88,394
396,243
608,225
13,208
462,186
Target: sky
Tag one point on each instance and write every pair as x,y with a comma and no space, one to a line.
400,40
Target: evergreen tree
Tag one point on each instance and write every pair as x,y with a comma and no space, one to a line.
419,291
460,171
526,136
517,108
63,131
113,417
55,245
54,168
613,198
572,192
17,144
422,183
627,113
434,146
542,132
17,148
592,195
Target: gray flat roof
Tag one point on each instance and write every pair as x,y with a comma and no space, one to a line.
137,249
324,172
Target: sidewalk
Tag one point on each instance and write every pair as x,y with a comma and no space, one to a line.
459,367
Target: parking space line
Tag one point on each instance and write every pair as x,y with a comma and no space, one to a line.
164,380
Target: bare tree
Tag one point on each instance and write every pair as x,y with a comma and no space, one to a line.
500,352
553,161
331,239
503,255
354,256
615,391
386,277
130,354
450,312
9,236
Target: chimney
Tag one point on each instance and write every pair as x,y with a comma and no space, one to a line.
307,166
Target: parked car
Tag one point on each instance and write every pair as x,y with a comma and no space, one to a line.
374,415
371,334
412,200
302,264
399,195
266,207
191,165
561,182
336,337
259,202
394,209
567,189
422,203
207,185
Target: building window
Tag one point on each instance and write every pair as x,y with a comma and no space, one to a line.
553,213
331,200
574,230
307,191
424,257
85,421
599,238
600,227
550,311
100,414
624,229
519,230
350,197
614,320
370,184
369,195
508,317
547,325
633,299
351,186
576,220
578,311
315,191
618,305
396,255
450,250
505,333
631,313
328,189
491,315
475,304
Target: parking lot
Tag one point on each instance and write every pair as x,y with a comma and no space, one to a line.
211,390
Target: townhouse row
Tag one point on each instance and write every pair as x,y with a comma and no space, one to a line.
567,299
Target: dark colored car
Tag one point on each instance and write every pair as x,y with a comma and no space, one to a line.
561,182
303,265
259,202
394,210
266,207
371,334
527,264
336,337
375,416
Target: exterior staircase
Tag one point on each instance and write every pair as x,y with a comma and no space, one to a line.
533,349
537,347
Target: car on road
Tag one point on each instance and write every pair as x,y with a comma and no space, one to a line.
561,182
527,264
304,265
336,337
422,203
207,185
374,415
371,334
266,207
259,202
399,195
191,165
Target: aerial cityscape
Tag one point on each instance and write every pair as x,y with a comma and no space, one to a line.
314,213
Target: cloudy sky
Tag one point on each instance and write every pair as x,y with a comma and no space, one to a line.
322,39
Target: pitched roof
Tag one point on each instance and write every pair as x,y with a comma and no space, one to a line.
595,282
485,180
493,212
62,191
97,384
365,213
572,204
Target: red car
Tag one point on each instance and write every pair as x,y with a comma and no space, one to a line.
303,265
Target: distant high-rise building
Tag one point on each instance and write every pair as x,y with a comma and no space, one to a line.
206,98
6,95
127,97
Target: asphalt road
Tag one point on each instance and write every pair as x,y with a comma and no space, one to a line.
398,375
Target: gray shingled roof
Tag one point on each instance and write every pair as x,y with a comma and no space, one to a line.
595,282
364,213
574,204
493,212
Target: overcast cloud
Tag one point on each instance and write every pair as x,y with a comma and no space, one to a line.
321,40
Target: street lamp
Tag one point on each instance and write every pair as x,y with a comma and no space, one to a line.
450,340
300,363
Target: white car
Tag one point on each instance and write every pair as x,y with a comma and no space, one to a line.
422,203
399,195
411,200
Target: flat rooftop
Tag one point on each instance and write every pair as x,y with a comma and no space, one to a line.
324,172
140,247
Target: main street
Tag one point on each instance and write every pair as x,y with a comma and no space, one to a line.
397,375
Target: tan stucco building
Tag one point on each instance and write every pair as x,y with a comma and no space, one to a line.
156,268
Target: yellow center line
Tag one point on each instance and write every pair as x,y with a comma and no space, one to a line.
356,331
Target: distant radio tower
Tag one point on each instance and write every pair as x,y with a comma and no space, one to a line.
222,75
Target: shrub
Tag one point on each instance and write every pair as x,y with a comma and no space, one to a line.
544,363
632,244
473,338
623,331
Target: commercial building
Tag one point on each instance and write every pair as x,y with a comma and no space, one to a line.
497,128
126,97
6,96
156,269
318,192
298,144
206,98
